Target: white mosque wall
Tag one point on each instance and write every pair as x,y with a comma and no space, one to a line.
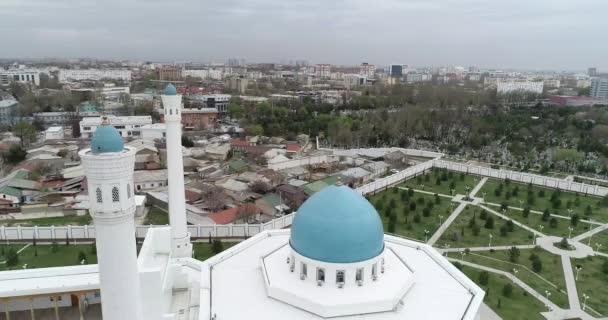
303,162
60,233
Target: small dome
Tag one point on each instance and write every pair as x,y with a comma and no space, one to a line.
170,90
337,225
106,139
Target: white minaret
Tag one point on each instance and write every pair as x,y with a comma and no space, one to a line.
108,166
180,237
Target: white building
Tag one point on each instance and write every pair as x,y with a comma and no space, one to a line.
217,100
154,131
368,70
127,126
418,77
354,80
54,133
205,74
144,180
67,75
504,87
323,70
599,87
20,75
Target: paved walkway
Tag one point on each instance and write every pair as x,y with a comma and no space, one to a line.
590,233
519,224
446,224
580,250
570,284
540,213
478,187
428,192
528,246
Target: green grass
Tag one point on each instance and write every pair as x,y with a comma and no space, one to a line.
520,305
157,216
65,255
454,238
428,182
550,272
568,199
405,225
45,222
601,238
593,282
535,220
203,250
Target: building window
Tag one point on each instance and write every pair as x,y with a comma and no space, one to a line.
98,194
171,111
129,191
375,271
320,275
303,270
340,277
115,195
359,275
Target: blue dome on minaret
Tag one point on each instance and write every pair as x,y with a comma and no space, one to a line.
106,138
337,225
170,90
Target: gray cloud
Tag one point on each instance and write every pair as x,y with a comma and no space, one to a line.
557,34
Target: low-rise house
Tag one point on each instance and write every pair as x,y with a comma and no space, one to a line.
291,195
358,175
54,133
237,166
232,185
149,179
377,168
272,205
217,151
293,148
246,213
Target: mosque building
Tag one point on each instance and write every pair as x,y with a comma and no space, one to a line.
334,262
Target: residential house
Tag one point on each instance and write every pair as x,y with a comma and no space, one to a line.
149,179
291,195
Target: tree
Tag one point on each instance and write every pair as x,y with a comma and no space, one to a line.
605,266
526,212
246,211
514,254
484,278
553,223
507,290
54,247
537,265
12,258
235,110
503,231
564,243
25,132
417,218
510,225
483,215
546,215
426,211
588,211
187,142
392,223
574,219
437,199
504,206
476,230
82,257
217,246
413,206
489,223
15,155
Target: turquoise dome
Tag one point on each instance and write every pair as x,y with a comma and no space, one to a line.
170,90
106,139
337,225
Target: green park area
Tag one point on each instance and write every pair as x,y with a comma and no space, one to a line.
536,267
507,299
593,282
407,213
474,226
599,241
60,254
540,199
73,220
443,181
553,226
157,217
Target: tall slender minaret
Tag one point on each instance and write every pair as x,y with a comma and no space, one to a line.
180,238
108,166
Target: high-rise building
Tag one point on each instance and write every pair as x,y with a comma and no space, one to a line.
169,73
396,70
592,72
368,70
503,87
323,70
19,75
599,87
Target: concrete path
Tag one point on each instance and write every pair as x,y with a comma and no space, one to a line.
478,187
570,284
485,313
428,192
519,224
540,213
528,246
580,250
446,224
590,232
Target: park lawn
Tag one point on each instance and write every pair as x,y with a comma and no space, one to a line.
405,225
203,250
598,238
428,182
593,282
53,221
520,305
535,220
453,235
599,212
66,255
551,271
157,216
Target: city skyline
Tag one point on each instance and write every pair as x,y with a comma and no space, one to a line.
557,35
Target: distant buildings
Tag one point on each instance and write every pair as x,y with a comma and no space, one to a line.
551,83
203,118
599,87
126,126
19,75
323,70
592,72
575,101
418,77
169,73
8,112
204,74
368,70
54,133
396,71
237,83
67,75
504,87
217,101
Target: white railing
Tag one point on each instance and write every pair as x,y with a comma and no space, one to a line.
59,233
302,162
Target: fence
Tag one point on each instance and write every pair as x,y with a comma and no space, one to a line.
302,162
60,233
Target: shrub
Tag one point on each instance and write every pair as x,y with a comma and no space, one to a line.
574,219
483,215
476,230
484,278
426,211
82,257
507,290
217,246
553,223
526,212
546,215
417,218
537,265
12,258
489,223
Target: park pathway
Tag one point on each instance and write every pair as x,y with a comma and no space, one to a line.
446,224
428,192
590,233
478,187
505,217
570,284
540,213
525,246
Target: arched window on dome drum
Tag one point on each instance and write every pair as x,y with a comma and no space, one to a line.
292,264
171,111
303,270
320,275
115,195
129,191
359,275
98,195
375,271
340,277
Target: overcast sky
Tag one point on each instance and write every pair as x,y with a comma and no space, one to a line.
540,34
